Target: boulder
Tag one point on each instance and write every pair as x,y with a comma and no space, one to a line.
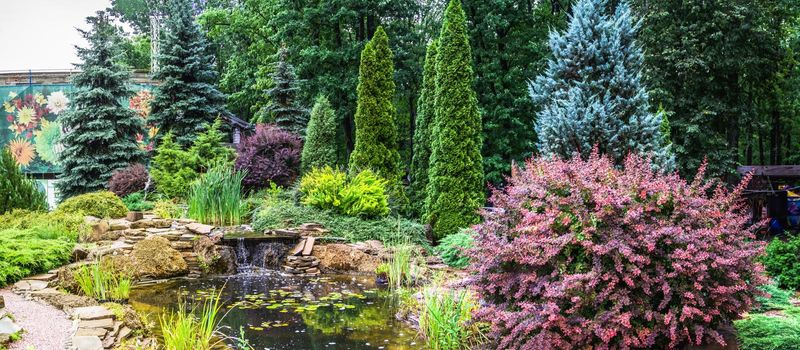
79,252
199,228
61,300
7,329
221,260
99,228
344,257
153,257
119,224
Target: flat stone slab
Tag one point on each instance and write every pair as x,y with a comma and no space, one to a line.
30,285
7,326
91,332
105,323
87,343
47,277
92,313
199,228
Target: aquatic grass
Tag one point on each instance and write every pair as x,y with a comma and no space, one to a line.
101,283
216,198
401,269
184,329
445,319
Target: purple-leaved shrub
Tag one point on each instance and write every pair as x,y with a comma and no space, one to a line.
579,254
128,180
269,155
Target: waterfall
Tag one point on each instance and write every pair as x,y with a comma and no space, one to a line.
254,254
241,256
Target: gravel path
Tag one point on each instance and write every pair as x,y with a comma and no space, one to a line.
46,328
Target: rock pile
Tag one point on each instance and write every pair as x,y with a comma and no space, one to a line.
98,329
300,262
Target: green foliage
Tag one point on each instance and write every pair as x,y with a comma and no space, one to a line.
782,262
168,209
775,331
453,248
216,198
208,148
376,146
402,270
17,191
455,189
136,202
361,195
778,299
103,130
445,319
319,149
101,204
283,107
197,328
426,109
173,169
102,283
136,52
34,242
277,212
186,101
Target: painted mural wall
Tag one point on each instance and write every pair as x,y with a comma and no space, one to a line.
31,130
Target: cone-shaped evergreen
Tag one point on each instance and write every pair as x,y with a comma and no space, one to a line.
319,149
17,191
283,106
592,92
186,101
455,189
422,132
376,145
101,130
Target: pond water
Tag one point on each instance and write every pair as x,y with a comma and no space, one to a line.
279,312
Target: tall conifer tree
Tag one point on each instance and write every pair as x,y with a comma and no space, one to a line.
319,148
376,145
422,132
284,105
592,95
101,130
186,102
456,188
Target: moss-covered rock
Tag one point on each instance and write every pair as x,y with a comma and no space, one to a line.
151,258
101,204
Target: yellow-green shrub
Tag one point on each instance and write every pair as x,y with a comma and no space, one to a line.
167,209
101,204
361,195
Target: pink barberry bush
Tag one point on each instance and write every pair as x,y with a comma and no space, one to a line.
579,254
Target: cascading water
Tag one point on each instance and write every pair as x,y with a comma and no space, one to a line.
259,254
242,265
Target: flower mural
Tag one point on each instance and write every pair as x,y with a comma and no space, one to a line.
57,102
140,103
22,151
48,139
25,112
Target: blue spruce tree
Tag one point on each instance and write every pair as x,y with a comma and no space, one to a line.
592,93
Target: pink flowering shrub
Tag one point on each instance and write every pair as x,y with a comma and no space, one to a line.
580,254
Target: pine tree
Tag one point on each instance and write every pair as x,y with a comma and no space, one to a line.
319,148
592,95
102,131
17,191
422,132
455,189
376,145
283,106
208,147
186,101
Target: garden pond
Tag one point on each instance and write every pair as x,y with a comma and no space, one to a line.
280,312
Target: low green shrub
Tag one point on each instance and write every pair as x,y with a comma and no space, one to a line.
279,212
136,202
167,209
101,204
777,299
173,169
773,331
71,225
103,283
216,198
782,262
37,249
452,248
18,191
361,195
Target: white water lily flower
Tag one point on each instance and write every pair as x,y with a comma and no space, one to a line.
57,102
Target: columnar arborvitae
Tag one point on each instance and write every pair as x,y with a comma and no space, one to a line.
319,148
422,132
376,145
101,130
186,101
284,105
455,189
592,94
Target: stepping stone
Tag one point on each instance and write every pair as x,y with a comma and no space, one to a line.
106,323
7,329
47,277
87,343
92,313
91,332
30,285
199,228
